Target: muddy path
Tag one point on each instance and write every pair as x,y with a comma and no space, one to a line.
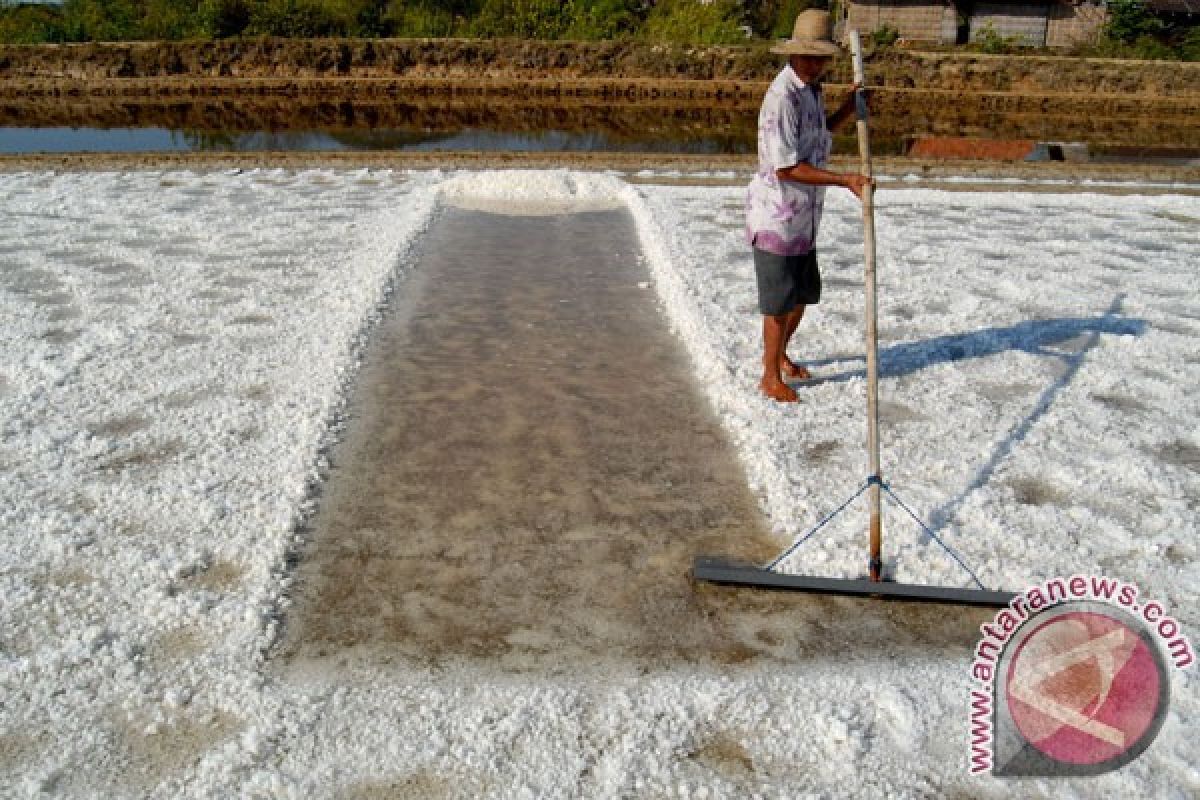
955,175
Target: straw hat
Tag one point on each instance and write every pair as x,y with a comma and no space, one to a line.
812,36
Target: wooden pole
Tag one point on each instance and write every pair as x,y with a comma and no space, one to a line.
872,338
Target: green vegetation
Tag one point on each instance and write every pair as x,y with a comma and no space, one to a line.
675,21
717,22
692,21
1133,30
989,40
30,25
883,36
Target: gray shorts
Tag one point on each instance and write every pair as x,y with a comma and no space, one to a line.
785,282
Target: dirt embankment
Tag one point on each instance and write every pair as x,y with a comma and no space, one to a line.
440,83
571,61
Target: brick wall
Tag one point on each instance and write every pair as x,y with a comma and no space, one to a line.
1025,22
1049,23
918,20
1072,23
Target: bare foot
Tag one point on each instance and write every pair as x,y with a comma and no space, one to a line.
778,390
791,369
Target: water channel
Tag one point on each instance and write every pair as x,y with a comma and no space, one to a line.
302,123
16,140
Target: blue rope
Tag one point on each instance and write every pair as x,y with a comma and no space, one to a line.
928,530
874,480
819,525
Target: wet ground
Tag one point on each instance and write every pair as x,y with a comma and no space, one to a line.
529,472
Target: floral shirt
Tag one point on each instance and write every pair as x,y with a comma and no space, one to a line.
782,217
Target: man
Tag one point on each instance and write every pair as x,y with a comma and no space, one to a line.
786,197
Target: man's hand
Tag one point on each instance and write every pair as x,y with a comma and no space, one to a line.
846,111
805,173
855,183
851,98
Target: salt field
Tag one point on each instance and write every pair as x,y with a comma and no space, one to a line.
185,354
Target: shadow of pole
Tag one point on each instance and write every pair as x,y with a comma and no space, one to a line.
1033,336
1109,322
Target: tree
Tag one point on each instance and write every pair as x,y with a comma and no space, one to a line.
99,20
221,19
605,19
695,22
1130,20
31,24
169,19
526,19
427,18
